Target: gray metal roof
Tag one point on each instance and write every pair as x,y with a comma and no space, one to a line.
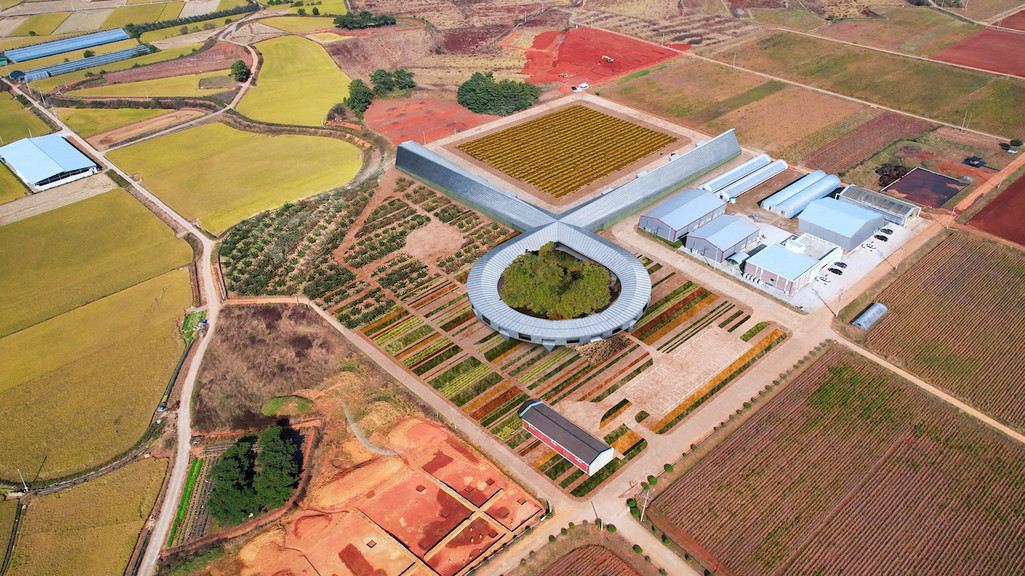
470,188
42,157
725,231
840,217
883,202
777,259
634,295
83,63
66,45
753,179
796,186
685,208
645,189
560,429
798,202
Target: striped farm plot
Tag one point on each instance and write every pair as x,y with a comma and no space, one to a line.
10,24
84,21
198,8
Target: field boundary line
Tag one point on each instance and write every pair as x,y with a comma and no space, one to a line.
692,54
19,513
940,394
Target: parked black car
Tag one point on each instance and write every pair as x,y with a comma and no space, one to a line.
836,271
886,231
881,238
840,264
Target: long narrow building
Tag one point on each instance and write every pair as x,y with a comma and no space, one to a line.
571,441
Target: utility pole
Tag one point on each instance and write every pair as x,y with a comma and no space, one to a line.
647,494
839,304
22,480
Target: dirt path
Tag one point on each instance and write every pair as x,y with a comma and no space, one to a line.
990,183
28,206
105,140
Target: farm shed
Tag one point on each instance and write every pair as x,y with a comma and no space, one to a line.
791,266
66,45
843,224
733,191
890,208
722,237
46,161
870,316
682,214
569,440
82,63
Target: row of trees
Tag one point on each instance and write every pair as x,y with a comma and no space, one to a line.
483,95
247,482
137,30
384,82
362,20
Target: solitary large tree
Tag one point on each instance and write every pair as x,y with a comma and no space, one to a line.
555,285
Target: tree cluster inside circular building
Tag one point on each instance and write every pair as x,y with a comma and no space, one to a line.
553,284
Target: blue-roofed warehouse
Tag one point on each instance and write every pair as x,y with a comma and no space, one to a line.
46,161
722,237
66,45
843,224
682,214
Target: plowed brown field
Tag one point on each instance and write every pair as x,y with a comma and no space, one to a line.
1004,215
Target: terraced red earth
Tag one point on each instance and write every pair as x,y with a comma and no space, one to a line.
865,469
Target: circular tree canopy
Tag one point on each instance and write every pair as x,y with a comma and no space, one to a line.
553,284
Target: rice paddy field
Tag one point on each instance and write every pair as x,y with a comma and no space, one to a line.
48,84
70,256
91,529
90,121
930,89
42,24
298,84
299,23
165,33
90,378
143,13
18,122
11,188
233,175
334,7
185,85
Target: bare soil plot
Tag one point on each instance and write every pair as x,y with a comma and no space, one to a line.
954,320
926,188
84,21
402,46
917,30
785,117
692,27
107,139
421,119
579,55
1004,215
263,352
865,467
994,50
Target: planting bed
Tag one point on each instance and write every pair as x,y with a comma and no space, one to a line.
993,50
865,467
564,151
590,560
864,141
1004,215
954,320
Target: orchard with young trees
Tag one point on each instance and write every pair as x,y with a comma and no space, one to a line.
247,482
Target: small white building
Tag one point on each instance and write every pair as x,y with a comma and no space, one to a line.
792,265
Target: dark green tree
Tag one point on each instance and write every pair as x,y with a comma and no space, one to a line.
364,19
88,54
483,95
278,466
404,79
555,285
360,97
239,71
231,499
383,81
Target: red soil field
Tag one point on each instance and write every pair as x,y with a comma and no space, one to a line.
463,548
578,54
218,57
925,188
590,561
428,513
418,119
1015,21
1003,216
993,50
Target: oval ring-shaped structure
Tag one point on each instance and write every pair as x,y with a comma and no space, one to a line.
621,315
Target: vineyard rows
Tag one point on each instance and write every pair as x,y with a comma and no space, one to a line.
564,151
966,330
864,468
